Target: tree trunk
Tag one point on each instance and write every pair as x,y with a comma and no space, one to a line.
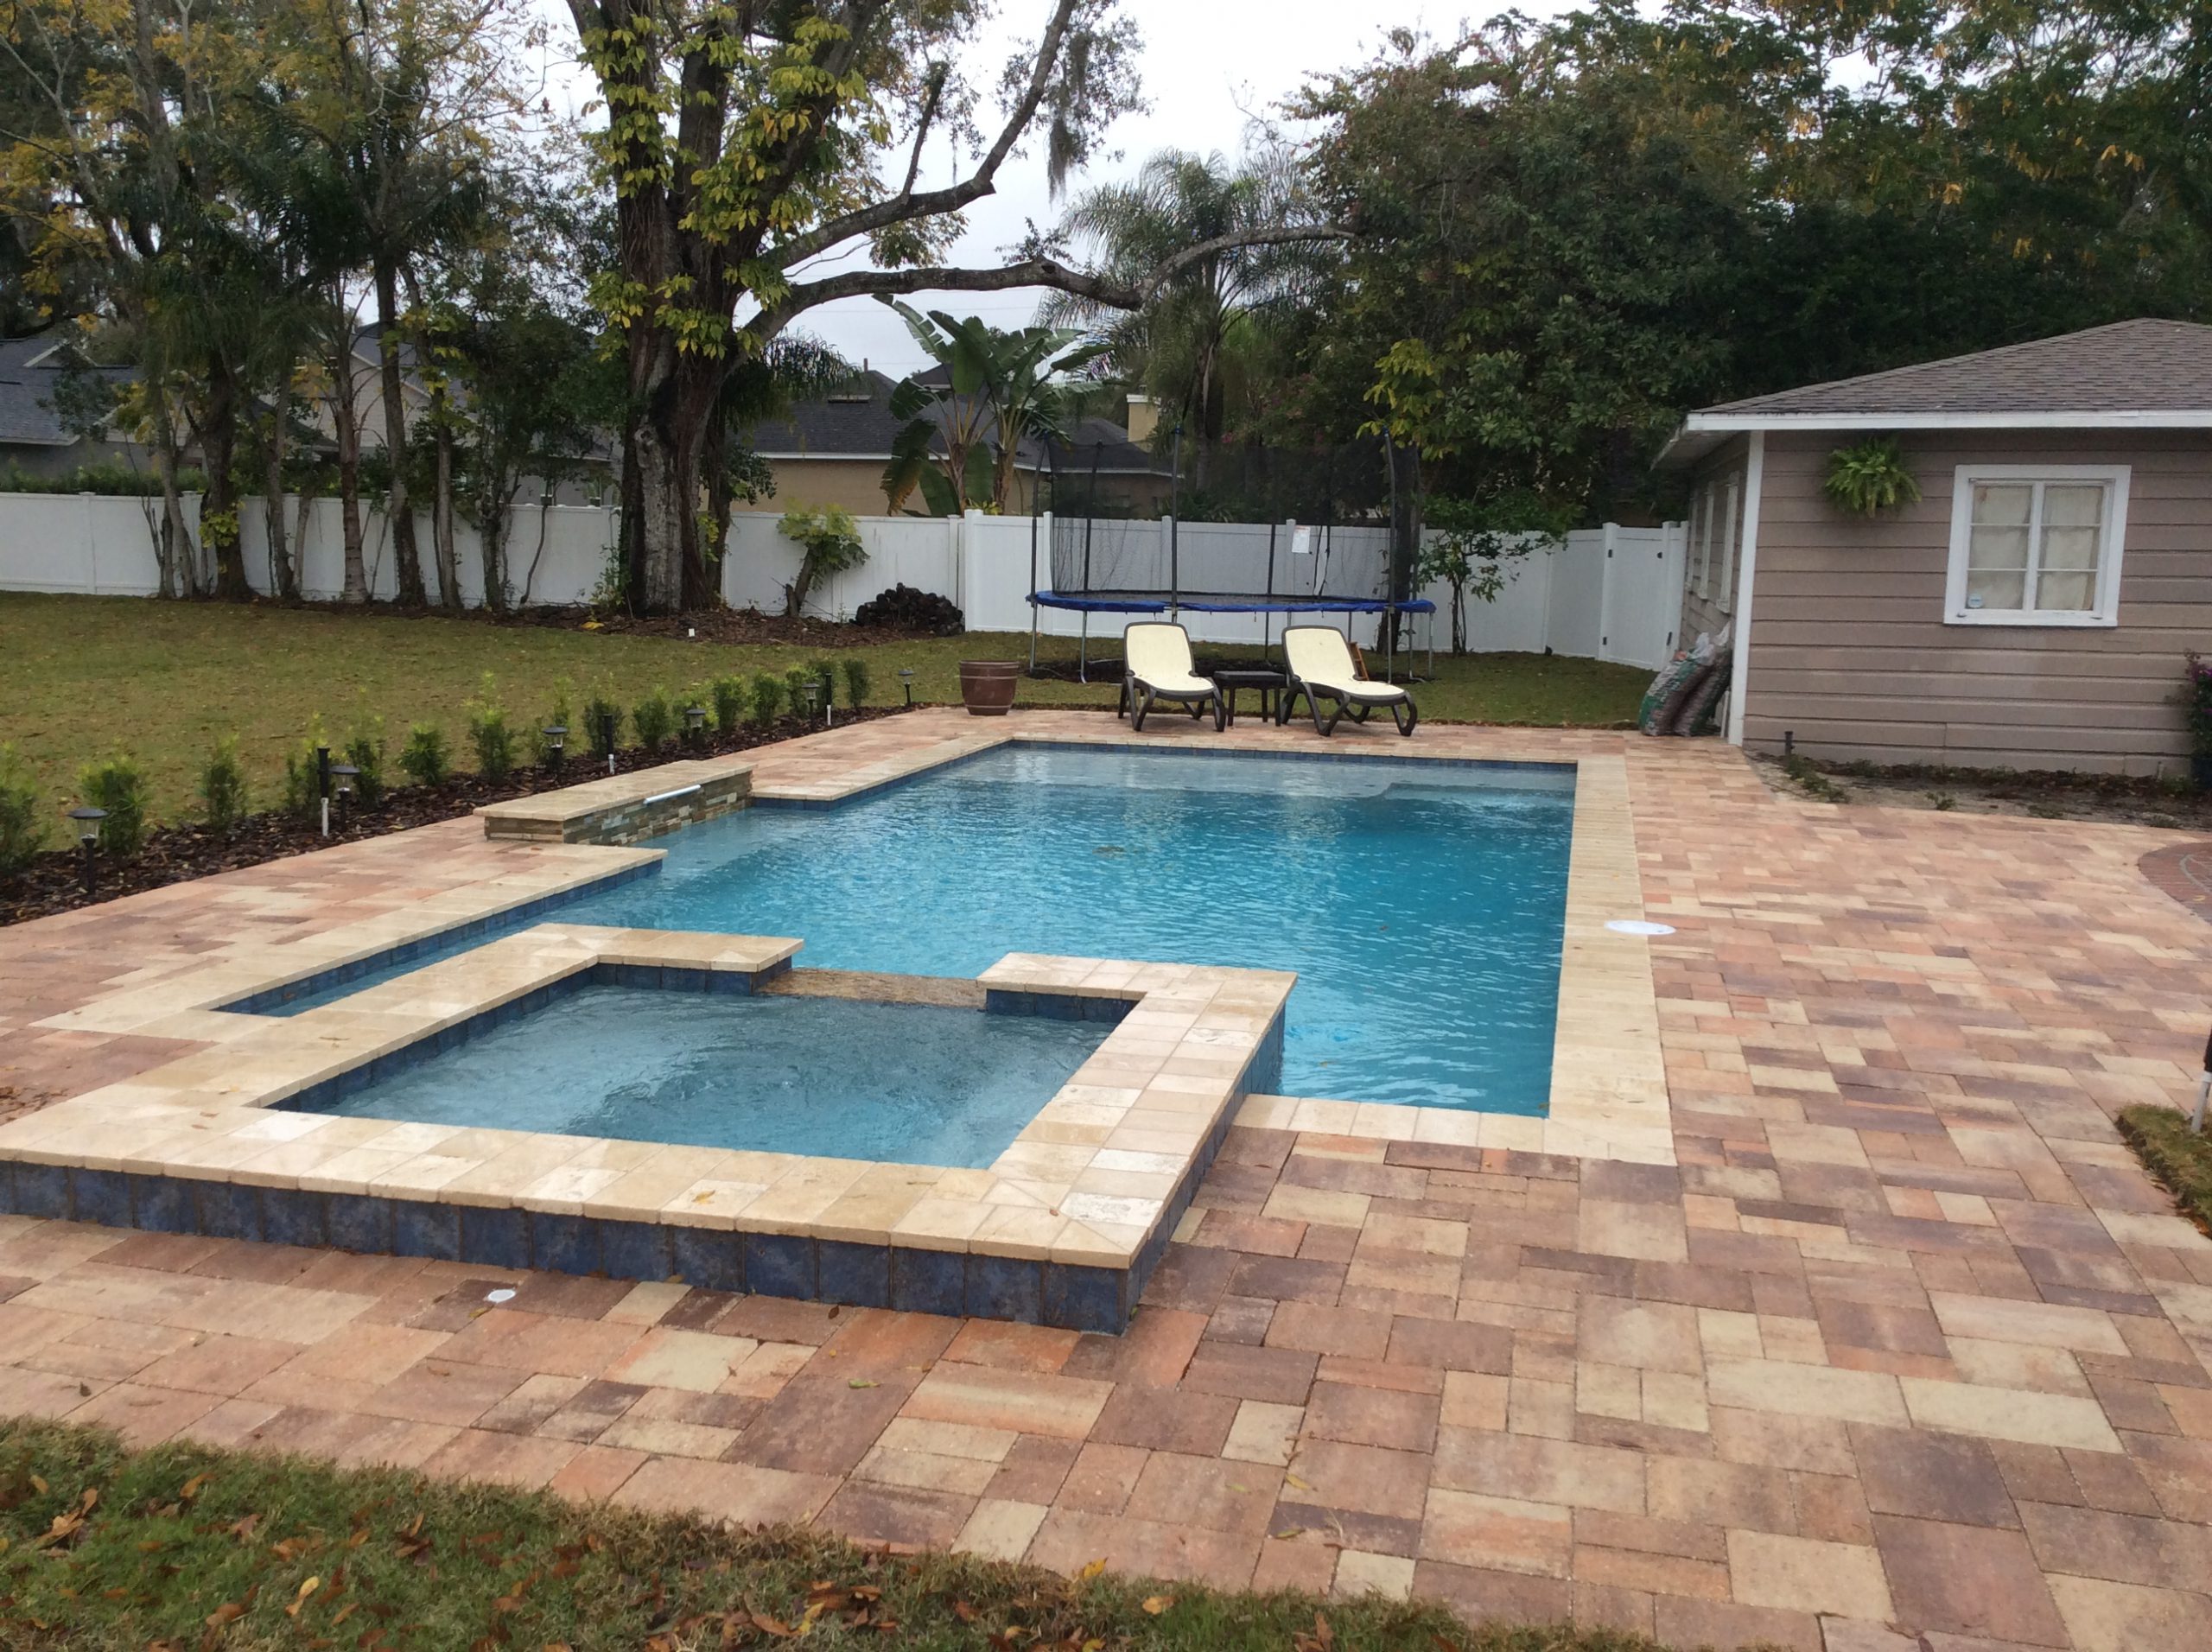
497,498
173,546
283,572
715,463
346,425
660,494
219,506
401,509
442,517
1405,523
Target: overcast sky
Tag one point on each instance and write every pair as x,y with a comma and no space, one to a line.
1208,67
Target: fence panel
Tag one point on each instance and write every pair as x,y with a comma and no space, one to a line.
1610,594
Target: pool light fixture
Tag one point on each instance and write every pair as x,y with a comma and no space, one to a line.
1639,926
556,736
88,821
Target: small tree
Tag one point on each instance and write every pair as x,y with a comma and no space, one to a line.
1473,542
223,797
22,833
832,540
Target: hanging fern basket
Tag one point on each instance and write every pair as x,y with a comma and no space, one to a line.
1870,477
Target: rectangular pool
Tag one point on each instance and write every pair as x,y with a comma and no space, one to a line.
1421,902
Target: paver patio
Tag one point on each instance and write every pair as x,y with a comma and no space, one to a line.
1906,1346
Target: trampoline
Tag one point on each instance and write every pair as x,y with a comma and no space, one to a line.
1102,564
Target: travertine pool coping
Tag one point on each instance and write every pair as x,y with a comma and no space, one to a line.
1062,1229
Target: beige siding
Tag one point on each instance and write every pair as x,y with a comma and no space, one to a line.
1849,649
857,484
1708,607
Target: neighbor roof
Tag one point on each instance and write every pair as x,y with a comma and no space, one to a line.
2147,374
29,370
856,422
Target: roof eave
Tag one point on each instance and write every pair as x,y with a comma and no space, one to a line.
1717,422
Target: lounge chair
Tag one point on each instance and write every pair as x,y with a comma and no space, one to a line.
1318,664
1156,655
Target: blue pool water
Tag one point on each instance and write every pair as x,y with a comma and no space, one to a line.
1422,904
838,1078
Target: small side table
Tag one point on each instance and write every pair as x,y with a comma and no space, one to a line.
1269,684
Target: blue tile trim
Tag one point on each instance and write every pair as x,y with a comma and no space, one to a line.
43,1190
361,1222
928,1281
1088,1298
1006,1287
421,1229
163,1205
1058,1006
635,1250
563,1245
227,1209
494,1236
291,1217
711,1258
780,1264
101,1195
853,1275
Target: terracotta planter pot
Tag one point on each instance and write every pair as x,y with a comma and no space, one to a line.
986,686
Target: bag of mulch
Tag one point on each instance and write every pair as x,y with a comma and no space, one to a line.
1673,676
1695,715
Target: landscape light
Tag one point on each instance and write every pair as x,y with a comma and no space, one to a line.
343,774
88,821
813,694
906,681
323,784
694,727
556,737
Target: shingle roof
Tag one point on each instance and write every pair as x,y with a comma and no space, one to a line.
26,386
2144,366
856,422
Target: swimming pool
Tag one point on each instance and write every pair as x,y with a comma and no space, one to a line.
1422,903
836,1077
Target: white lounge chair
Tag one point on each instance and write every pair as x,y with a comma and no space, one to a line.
1318,664
1156,663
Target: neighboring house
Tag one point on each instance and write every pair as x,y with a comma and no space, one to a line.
33,437
833,450
2031,611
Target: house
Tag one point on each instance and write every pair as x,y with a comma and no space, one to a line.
2030,610
832,450
34,439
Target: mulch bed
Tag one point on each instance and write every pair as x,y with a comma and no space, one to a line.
53,882
728,625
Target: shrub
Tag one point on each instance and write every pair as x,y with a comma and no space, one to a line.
654,718
795,684
118,785
303,774
489,733
23,834
222,786
425,758
767,697
557,716
365,747
727,695
831,542
602,723
855,681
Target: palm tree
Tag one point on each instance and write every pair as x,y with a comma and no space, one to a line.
1185,347
1002,387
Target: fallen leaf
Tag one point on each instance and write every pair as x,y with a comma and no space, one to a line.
192,1487
1157,1603
40,1486
1091,1570
963,1611
860,1382
1287,1533
307,1587
1292,1479
225,1613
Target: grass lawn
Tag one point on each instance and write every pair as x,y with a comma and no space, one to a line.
179,1548
2175,1154
80,675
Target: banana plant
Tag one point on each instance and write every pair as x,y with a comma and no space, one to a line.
1003,387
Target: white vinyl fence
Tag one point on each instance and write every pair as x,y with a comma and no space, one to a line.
1610,592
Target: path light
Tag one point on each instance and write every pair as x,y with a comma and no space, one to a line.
694,727
813,694
556,736
88,821
906,681
342,774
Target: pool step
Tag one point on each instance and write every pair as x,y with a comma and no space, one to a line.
950,991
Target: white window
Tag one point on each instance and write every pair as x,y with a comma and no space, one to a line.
1700,540
2036,545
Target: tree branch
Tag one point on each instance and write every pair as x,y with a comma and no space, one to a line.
1029,272
931,203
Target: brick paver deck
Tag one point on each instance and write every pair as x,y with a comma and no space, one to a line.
1907,1346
